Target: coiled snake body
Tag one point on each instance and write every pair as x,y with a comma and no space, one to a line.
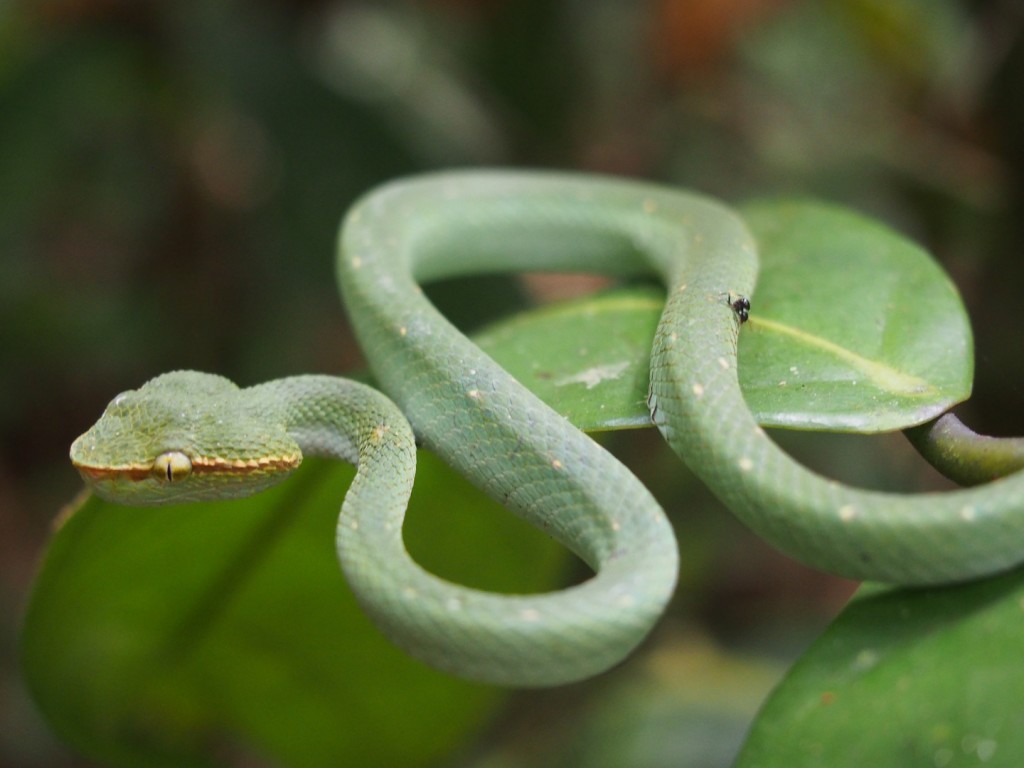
188,435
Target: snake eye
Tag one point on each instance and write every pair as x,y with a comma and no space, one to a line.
172,466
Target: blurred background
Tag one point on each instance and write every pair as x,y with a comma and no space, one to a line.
172,175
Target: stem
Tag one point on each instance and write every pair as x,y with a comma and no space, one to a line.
963,455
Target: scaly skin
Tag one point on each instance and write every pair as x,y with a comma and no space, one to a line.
226,441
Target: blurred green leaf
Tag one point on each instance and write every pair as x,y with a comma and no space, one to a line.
686,705
905,678
920,40
173,635
853,328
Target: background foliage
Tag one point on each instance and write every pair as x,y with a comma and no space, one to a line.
172,175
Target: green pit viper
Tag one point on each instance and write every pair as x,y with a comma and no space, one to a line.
189,435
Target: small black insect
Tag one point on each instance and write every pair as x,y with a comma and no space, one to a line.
740,305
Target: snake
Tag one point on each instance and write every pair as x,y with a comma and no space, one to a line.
187,435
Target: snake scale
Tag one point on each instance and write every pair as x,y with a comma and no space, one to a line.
188,435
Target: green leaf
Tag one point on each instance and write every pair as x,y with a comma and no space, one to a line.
171,635
587,359
905,678
686,704
853,328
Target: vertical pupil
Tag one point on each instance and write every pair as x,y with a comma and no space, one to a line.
170,472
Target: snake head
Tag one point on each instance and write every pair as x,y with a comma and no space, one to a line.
184,436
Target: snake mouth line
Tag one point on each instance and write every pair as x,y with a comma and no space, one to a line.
136,473
132,473
883,376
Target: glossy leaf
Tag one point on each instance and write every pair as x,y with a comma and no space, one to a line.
905,678
587,359
853,328
179,635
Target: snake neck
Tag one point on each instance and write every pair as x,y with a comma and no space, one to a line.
325,415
